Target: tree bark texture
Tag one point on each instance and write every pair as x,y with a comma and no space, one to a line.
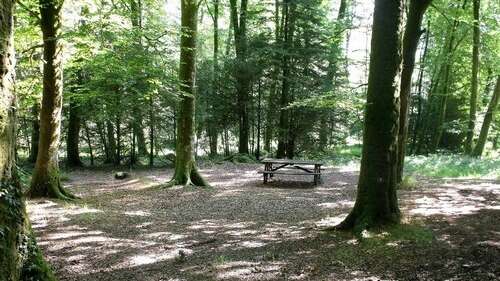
411,38
73,137
46,181
474,81
284,148
186,172
376,201
242,74
20,257
488,119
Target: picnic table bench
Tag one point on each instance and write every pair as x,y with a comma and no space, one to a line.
291,167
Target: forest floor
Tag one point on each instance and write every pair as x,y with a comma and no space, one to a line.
243,230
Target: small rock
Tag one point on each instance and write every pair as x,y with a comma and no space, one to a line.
121,175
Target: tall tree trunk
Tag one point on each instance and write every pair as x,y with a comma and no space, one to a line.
488,119
376,202
89,143
332,71
259,113
136,20
418,118
45,181
271,104
139,134
151,131
20,257
118,155
284,121
110,132
186,172
474,81
35,132
410,43
73,137
212,128
242,75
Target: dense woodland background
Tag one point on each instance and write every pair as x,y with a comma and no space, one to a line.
292,82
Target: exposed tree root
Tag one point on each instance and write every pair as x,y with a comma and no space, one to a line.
191,178
360,220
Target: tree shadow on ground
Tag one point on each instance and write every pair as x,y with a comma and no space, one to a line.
241,231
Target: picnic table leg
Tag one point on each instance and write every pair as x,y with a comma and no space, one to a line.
266,168
317,178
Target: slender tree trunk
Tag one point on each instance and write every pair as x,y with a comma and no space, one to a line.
259,113
151,131
139,133
118,155
418,118
110,131
488,119
212,126
242,75
332,72
284,121
73,137
89,143
133,158
410,43
102,137
35,132
474,81
271,104
45,181
186,172
376,202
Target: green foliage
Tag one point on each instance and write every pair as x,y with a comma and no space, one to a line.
341,155
452,166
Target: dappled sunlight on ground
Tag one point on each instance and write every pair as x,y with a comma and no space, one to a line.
245,230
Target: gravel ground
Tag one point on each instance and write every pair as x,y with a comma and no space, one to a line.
243,230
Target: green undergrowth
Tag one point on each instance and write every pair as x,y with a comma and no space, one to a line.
452,166
338,156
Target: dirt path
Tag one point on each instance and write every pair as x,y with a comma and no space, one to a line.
243,230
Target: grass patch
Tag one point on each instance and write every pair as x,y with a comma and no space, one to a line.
452,166
338,156
386,244
408,183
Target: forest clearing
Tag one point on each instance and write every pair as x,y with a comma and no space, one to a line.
245,230
179,140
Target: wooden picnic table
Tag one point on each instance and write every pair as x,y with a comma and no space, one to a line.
291,167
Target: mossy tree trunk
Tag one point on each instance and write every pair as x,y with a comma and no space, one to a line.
474,80
488,119
73,137
46,181
186,172
376,202
20,258
411,38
